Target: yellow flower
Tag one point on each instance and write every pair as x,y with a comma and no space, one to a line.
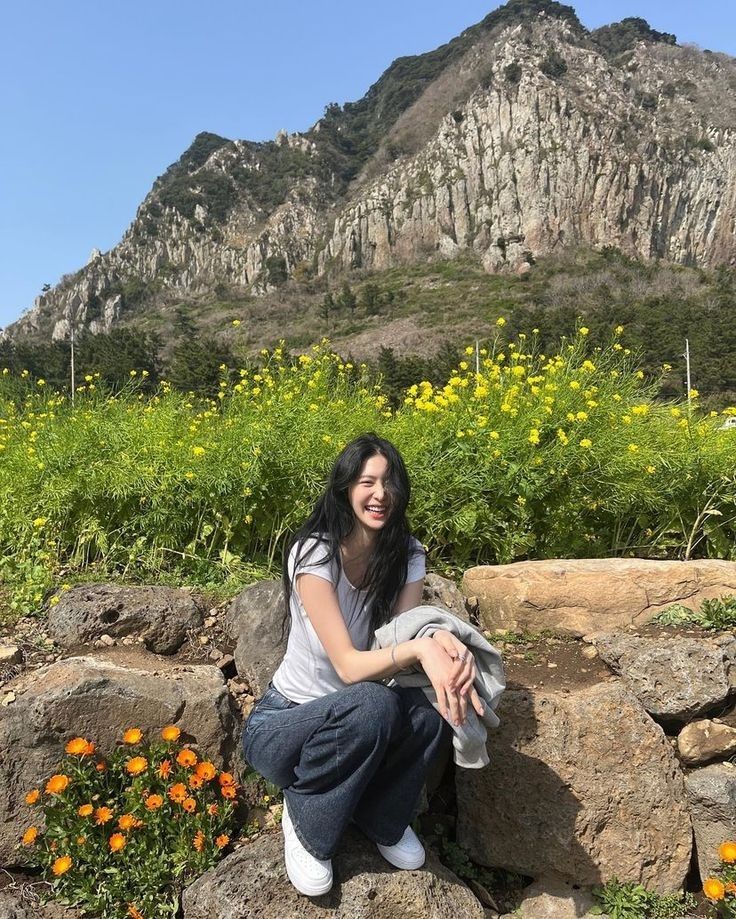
33,796
236,322
85,810
534,436
30,836
694,393
117,842
586,443
171,733
714,889
127,822
583,330
619,329
103,815
40,522
133,736
651,469
633,448
78,746
136,765
57,784
61,865
198,451
727,852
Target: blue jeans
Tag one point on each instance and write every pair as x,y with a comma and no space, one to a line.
361,754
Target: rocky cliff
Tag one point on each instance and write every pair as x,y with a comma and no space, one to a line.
524,134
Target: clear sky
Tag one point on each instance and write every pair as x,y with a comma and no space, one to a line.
99,98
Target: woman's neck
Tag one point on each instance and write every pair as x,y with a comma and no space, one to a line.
358,544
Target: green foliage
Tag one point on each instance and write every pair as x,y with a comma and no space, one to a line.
195,365
276,270
619,37
717,614
125,835
213,190
512,72
553,65
632,901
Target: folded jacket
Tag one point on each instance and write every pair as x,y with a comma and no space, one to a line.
469,742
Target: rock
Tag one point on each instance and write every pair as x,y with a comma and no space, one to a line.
582,785
252,884
254,622
439,591
99,699
90,611
580,596
675,677
702,741
9,655
554,898
21,902
711,792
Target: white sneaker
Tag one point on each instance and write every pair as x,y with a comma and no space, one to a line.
407,853
308,874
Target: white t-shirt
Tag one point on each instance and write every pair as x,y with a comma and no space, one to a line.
306,673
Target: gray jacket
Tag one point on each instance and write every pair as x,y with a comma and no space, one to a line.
469,741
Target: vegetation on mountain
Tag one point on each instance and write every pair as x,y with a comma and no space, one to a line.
622,36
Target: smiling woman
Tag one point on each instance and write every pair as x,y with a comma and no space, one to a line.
341,744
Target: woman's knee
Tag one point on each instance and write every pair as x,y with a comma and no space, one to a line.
373,704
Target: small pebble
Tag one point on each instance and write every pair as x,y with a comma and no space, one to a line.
10,654
204,639
551,665
108,641
210,621
589,652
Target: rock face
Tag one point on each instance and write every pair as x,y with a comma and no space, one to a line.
254,622
530,137
584,596
712,795
674,677
582,785
160,615
98,699
439,591
16,903
252,884
702,741
552,898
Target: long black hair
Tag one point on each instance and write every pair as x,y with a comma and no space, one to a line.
332,521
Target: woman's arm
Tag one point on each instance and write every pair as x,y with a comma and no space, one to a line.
320,602
409,597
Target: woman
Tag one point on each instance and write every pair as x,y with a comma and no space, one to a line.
342,745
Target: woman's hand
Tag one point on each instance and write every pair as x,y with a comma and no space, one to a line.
465,672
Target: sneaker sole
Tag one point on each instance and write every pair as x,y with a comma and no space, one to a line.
405,863
315,891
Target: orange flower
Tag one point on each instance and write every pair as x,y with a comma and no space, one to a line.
86,810
102,815
226,778
178,792
189,805
153,802
81,840
78,746
134,913
187,758
222,841
206,771
228,791
714,889
170,733
61,865
136,765
57,784
127,822
164,770
30,836
195,781
213,810
33,796
117,842
727,851
133,736
199,839
101,766
730,887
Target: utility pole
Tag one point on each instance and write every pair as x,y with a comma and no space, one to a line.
477,358
72,321
686,355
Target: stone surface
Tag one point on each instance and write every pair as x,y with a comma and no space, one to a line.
583,596
252,884
21,902
675,677
10,654
711,792
581,784
553,898
439,591
702,741
254,621
99,699
101,612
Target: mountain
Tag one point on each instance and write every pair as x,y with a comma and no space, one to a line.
524,135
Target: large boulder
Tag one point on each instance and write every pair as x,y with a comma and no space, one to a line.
702,741
712,795
553,898
252,884
675,677
582,596
160,615
254,621
99,699
439,591
582,785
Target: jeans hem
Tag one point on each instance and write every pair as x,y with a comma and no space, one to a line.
312,851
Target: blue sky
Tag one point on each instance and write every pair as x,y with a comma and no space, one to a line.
99,98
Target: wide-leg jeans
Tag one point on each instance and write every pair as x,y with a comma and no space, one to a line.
361,753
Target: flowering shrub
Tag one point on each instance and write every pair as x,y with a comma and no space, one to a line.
522,455
124,834
721,890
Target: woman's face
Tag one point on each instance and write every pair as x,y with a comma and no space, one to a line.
369,499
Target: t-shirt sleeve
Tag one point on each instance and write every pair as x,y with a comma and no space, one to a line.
417,567
313,559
